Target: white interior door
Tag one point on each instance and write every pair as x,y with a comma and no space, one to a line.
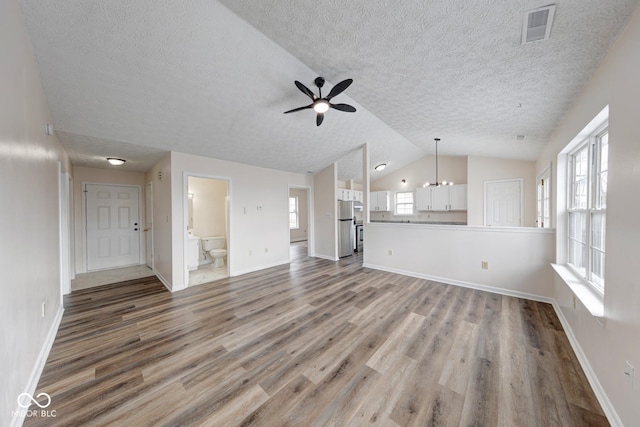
148,224
113,226
503,203
65,240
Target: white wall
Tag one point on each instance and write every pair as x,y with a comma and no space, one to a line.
325,211
481,169
103,176
519,259
259,213
301,233
29,216
616,83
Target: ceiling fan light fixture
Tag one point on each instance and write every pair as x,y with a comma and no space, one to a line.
321,106
116,161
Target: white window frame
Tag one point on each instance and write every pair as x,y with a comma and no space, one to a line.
543,198
403,204
593,144
294,212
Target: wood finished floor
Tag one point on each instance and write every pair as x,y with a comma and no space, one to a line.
314,343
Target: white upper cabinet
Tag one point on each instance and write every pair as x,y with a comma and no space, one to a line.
379,200
440,198
458,197
346,194
445,198
423,199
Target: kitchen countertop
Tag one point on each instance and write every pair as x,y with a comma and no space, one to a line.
419,222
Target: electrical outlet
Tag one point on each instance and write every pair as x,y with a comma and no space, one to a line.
250,252
390,251
44,308
629,372
266,250
485,265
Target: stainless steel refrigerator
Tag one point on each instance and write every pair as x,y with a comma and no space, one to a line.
345,228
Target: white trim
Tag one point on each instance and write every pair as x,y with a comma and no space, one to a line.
601,395
34,378
484,198
463,284
146,226
164,281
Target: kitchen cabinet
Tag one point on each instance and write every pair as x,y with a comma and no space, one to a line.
379,200
347,194
458,197
444,198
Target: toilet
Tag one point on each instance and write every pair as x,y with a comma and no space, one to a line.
214,245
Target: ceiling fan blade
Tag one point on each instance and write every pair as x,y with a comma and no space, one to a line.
339,88
299,109
344,107
319,119
305,90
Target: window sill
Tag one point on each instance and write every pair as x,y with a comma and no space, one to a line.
591,298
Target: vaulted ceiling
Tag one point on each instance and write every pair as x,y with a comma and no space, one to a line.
137,78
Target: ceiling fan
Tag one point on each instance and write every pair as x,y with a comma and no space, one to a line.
321,105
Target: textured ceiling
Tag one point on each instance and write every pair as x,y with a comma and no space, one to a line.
195,77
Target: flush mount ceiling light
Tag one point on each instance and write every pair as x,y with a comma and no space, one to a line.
115,161
437,183
380,167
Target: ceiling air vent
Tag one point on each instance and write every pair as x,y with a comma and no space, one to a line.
536,23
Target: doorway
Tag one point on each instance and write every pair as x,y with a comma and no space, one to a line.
503,203
207,242
65,190
299,222
112,237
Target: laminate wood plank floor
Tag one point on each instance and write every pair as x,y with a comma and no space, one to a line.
313,343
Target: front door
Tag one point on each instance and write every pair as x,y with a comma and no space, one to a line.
503,200
113,226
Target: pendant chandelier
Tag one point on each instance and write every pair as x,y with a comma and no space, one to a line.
437,183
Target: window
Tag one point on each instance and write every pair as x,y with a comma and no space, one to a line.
588,167
293,213
543,219
404,203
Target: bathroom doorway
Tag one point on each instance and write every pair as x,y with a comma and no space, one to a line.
207,225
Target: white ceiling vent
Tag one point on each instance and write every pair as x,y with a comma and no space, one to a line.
536,23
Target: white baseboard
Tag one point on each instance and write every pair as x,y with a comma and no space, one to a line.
464,284
601,395
18,418
164,281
